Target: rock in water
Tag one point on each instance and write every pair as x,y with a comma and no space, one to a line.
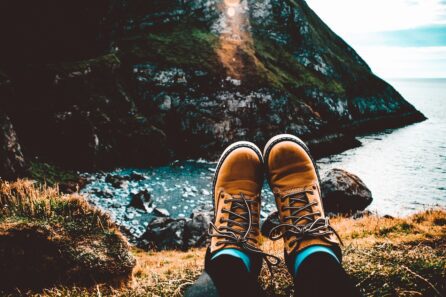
141,199
344,192
135,176
12,162
116,181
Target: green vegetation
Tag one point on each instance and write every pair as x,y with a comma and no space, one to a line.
184,46
284,72
105,62
272,64
51,175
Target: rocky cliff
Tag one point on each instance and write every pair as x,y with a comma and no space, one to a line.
137,83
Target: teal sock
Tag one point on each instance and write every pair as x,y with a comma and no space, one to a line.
235,253
309,251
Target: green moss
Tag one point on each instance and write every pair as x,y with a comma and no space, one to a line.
51,175
285,72
104,62
185,46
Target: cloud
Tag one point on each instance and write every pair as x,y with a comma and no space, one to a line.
434,35
405,62
354,16
397,38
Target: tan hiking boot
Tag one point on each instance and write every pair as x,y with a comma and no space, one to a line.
294,180
237,185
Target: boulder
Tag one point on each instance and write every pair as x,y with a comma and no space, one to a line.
164,233
167,233
116,181
12,162
196,229
135,176
344,193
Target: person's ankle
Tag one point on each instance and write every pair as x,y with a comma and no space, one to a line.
307,252
244,257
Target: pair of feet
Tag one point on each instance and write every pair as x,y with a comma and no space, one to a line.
294,180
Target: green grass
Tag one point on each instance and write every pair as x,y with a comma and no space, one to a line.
51,175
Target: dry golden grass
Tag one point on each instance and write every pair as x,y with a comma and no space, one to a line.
384,256
26,200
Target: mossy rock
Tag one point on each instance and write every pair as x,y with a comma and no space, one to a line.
48,240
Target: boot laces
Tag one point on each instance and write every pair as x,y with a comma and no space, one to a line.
315,227
241,238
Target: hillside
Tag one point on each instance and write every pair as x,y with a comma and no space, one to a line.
110,83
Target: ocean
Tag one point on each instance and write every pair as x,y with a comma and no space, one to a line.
405,168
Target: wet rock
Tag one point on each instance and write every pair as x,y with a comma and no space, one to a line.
12,162
116,181
141,199
164,233
344,193
271,221
106,193
134,176
161,212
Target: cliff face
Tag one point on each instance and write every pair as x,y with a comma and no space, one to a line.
144,82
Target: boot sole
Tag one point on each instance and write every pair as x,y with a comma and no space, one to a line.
287,137
225,154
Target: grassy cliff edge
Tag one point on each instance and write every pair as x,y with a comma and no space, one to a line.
384,256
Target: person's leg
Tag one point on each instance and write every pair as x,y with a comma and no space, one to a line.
321,275
312,246
228,275
233,258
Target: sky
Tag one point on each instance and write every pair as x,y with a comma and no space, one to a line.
397,38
